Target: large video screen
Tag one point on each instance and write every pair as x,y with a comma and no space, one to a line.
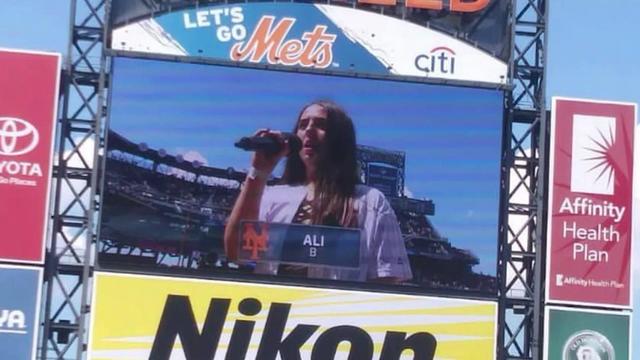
348,180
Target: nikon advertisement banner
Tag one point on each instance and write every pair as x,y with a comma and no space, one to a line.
587,334
169,318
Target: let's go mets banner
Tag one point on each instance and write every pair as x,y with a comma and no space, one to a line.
311,36
146,317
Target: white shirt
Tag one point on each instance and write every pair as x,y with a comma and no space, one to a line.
382,250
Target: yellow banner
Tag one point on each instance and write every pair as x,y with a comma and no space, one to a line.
149,317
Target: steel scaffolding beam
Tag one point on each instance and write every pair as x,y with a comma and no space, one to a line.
69,260
521,249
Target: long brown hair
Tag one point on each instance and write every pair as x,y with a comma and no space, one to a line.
337,168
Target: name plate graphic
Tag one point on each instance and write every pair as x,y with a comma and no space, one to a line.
299,244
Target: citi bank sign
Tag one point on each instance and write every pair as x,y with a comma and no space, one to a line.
440,60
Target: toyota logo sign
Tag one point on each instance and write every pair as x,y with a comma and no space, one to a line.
17,136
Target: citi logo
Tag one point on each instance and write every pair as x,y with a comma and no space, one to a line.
17,136
439,60
592,168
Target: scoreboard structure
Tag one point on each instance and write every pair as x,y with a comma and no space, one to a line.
89,78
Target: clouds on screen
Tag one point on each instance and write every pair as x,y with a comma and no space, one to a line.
192,155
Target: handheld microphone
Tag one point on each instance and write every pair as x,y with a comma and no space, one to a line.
269,144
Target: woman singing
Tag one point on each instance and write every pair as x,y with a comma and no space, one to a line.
320,186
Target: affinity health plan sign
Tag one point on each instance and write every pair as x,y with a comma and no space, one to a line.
590,199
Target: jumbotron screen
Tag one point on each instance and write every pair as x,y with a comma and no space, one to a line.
347,180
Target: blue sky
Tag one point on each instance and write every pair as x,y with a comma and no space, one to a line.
592,53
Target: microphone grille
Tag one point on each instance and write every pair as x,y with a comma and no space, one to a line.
295,144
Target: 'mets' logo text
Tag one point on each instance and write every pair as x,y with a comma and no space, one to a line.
269,42
178,320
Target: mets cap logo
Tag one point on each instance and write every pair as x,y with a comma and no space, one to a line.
17,136
588,345
255,238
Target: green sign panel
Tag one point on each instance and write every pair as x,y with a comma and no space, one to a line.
587,334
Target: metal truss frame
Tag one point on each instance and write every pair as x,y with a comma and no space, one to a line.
521,250
69,263
80,143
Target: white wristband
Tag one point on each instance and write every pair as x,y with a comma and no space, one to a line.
254,174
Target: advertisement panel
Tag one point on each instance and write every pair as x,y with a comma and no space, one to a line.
313,36
590,203
28,107
484,23
19,304
173,175
167,318
586,334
